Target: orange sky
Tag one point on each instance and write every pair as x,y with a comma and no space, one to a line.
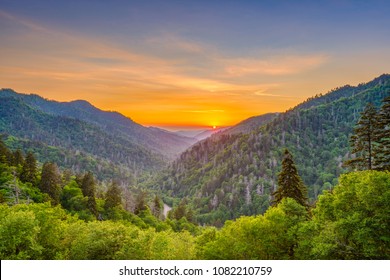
162,74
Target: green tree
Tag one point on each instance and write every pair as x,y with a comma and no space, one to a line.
351,221
290,183
18,158
88,187
157,205
50,181
270,236
18,234
180,210
383,147
363,140
113,196
29,169
140,204
5,153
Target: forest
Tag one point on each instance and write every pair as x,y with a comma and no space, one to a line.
229,175
323,193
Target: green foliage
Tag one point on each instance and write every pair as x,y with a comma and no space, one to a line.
88,188
140,204
272,236
229,175
352,221
50,182
113,196
5,153
157,207
78,136
18,235
29,169
363,140
383,148
349,222
289,182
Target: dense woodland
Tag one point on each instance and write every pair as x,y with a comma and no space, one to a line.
312,183
80,137
226,176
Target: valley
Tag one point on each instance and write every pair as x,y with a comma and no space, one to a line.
71,165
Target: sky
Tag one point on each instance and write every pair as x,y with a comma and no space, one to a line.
191,64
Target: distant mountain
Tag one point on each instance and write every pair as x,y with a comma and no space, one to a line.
207,133
190,133
81,137
230,174
250,124
163,142
72,143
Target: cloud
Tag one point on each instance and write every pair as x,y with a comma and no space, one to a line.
24,22
274,66
164,73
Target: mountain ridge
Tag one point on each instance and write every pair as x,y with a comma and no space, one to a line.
235,175
161,142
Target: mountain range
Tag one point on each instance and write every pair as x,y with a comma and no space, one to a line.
234,174
79,136
231,172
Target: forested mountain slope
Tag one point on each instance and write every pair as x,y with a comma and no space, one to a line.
73,143
227,176
246,126
167,144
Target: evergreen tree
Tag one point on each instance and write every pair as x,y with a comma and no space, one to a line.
181,210
140,204
5,153
29,169
364,139
113,196
50,181
17,158
383,147
290,183
88,187
157,205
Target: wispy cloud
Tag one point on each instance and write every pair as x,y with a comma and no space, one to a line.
277,65
166,73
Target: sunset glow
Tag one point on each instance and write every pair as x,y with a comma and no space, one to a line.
190,64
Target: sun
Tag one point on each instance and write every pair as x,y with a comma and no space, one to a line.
214,126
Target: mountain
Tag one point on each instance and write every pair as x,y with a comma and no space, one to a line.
229,175
190,133
78,136
246,126
163,142
201,133
72,143
207,133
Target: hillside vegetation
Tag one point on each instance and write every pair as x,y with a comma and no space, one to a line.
226,176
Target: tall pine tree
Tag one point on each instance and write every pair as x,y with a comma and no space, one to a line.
140,204
88,187
113,196
157,205
50,181
364,139
18,158
5,153
29,169
290,183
